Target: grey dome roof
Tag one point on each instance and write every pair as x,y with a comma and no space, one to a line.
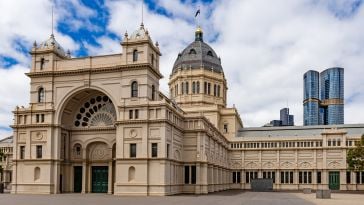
198,55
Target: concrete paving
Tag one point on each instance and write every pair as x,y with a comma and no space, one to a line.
224,198
336,198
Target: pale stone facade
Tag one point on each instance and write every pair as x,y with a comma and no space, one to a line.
100,124
6,147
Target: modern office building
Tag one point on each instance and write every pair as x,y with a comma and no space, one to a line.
285,119
323,97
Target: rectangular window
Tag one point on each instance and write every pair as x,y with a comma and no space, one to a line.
300,177
247,177
42,118
22,152
154,149
225,128
234,177
348,177
238,180
39,151
318,178
130,114
208,88
168,150
193,174
133,150
37,118
357,174
286,177
136,114
187,174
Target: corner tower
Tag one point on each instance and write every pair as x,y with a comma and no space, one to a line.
197,77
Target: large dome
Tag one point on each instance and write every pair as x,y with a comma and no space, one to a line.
198,55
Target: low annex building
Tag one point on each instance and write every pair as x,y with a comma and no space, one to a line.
100,124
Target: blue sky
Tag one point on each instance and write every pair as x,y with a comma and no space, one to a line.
265,46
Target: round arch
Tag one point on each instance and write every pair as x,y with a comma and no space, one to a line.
74,92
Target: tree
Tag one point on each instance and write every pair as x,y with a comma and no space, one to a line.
355,156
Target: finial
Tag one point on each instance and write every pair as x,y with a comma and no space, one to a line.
156,44
68,53
35,44
146,32
126,34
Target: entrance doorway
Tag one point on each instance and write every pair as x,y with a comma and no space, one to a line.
334,180
77,179
99,179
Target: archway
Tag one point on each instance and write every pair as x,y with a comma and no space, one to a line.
87,121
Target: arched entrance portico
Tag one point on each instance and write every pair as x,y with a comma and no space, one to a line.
87,143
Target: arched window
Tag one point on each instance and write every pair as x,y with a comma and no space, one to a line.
209,53
135,55
198,87
193,87
192,51
131,173
176,90
42,63
41,95
77,150
218,90
152,59
215,90
187,87
134,89
183,88
153,92
36,173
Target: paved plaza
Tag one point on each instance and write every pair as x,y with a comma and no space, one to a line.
223,198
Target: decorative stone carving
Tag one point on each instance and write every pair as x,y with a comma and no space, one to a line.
287,165
133,133
251,165
99,151
305,165
268,165
38,136
334,164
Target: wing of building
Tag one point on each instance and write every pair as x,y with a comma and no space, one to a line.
100,124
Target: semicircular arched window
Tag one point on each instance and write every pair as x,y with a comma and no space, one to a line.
134,89
192,51
209,53
135,55
98,111
41,95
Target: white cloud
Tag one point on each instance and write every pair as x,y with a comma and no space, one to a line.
14,90
265,46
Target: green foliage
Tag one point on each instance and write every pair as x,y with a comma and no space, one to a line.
355,156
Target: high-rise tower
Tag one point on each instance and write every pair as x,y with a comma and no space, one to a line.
323,102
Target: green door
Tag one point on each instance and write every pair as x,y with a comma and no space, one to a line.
99,179
334,180
77,179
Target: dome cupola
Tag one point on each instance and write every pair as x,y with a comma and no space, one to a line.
198,55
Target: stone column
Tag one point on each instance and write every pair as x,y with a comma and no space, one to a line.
110,181
84,171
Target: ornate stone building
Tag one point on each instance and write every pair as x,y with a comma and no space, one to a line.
6,147
100,124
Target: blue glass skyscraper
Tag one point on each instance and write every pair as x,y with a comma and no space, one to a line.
311,98
323,102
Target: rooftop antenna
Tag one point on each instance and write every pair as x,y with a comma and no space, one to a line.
142,12
52,17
